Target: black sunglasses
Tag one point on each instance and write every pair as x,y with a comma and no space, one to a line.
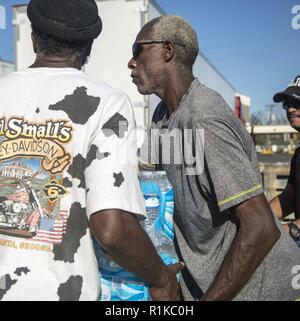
290,104
137,47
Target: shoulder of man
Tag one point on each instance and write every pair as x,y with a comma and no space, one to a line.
297,153
204,102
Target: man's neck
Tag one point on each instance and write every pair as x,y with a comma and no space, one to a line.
176,87
52,62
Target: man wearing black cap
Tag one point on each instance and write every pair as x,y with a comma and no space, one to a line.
68,169
289,200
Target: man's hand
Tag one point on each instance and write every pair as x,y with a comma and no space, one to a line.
171,290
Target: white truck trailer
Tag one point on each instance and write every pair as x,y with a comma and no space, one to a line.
122,20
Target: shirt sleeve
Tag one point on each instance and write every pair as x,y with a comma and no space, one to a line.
231,170
111,174
292,175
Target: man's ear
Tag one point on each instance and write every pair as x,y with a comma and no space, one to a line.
33,42
169,50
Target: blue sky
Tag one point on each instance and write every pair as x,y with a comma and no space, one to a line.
252,43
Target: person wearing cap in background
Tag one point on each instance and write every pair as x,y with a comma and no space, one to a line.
288,201
74,139
226,233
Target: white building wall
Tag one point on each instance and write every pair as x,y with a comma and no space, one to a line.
210,77
122,20
24,55
113,49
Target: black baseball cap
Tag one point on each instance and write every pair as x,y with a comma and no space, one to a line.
291,93
66,19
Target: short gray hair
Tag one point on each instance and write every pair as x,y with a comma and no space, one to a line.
176,29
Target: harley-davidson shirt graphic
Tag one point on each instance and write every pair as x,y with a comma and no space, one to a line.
67,151
33,158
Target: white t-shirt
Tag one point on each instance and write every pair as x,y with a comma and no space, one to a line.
67,150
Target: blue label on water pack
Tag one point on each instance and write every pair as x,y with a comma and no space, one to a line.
165,221
151,193
151,201
116,289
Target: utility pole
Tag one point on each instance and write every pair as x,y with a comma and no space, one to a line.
270,108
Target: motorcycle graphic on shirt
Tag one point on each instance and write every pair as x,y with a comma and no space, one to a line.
17,210
32,162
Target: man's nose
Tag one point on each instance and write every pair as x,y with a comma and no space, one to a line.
131,64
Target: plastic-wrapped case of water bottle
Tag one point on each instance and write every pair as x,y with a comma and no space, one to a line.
116,283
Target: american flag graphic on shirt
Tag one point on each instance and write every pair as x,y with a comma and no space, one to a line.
52,230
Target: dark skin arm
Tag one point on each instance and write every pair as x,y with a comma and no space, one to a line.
257,233
122,238
283,204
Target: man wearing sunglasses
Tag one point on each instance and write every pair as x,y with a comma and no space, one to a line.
289,200
225,230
